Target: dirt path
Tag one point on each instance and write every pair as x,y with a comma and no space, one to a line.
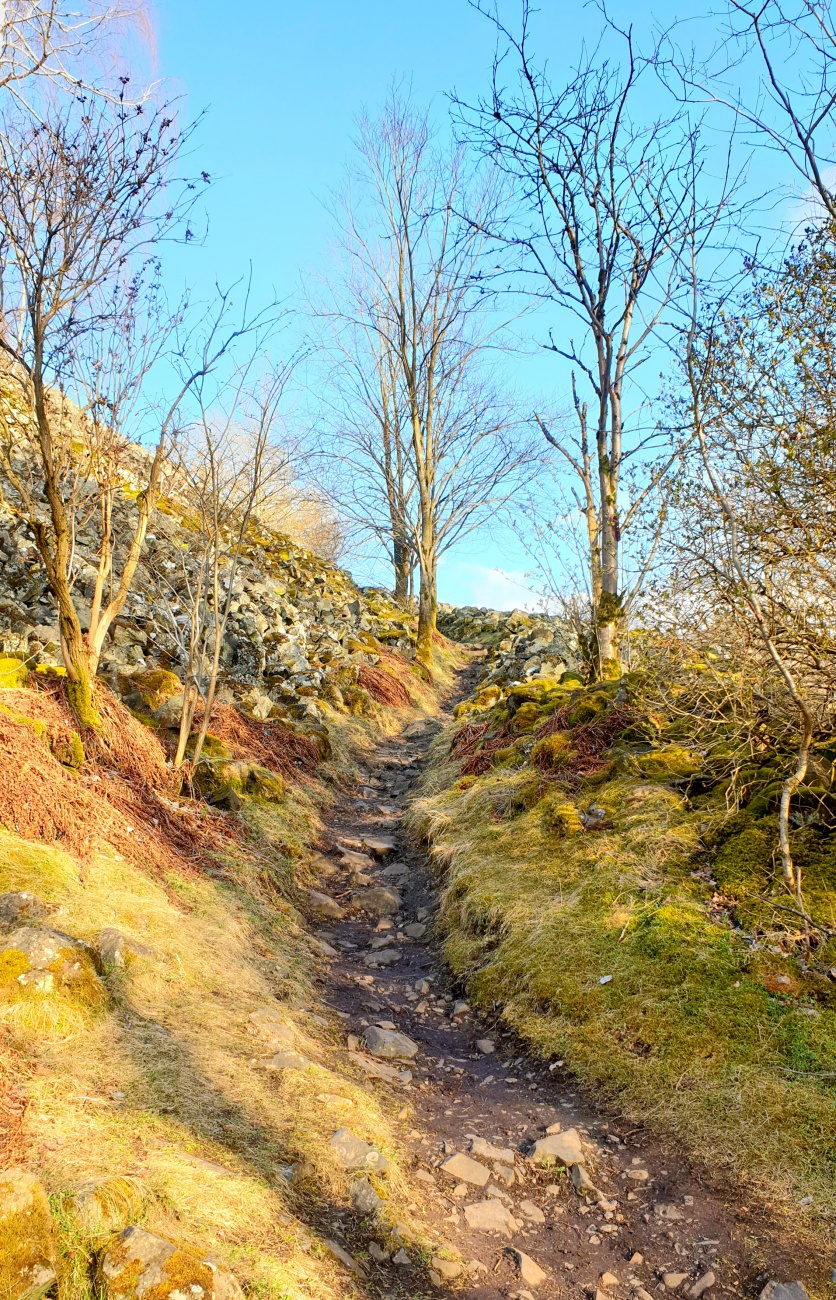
657,1226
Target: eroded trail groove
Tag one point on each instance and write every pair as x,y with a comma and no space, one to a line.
631,1219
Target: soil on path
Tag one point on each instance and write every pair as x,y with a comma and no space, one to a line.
659,1226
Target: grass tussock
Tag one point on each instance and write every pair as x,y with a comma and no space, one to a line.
578,897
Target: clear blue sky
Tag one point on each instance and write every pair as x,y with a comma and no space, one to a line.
282,83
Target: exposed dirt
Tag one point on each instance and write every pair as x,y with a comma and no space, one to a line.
656,1214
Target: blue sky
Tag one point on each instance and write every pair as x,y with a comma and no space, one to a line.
281,84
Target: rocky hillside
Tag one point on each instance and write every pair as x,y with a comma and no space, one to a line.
301,632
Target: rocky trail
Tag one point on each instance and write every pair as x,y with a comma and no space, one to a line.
535,1187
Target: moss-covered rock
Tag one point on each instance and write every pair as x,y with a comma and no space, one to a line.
264,784
553,752
140,1265
150,689
13,674
559,815
27,1248
41,961
107,1205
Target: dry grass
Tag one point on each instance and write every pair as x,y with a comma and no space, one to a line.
162,1082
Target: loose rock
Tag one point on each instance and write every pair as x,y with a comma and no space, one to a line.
784,1291
486,1046
324,905
466,1170
530,1272
490,1216
479,1147
531,1212
287,1059
561,1148
19,908
353,1153
363,1197
381,900
390,1044
673,1281
701,1285
118,949
334,1248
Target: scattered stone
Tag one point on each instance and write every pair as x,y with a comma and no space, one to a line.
561,1148
353,1153
554,1128
673,1281
323,866
636,1258
320,946
139,1263
607,1280
491,1216
110,1204
784,1291
381,900
504,1173
287,1059
479,1147
272,1030
390,1044
378,1254
422,987
638,1175
702,1284
672,1213
385,957
486,1046
465,1169
324,905
581,1180
27,1258
360,862
448,1269
363,1197
416,930
118,949
424,1176
531,1212
379,845
460,1008
348,1261
378,1070
19,907
530,1272
401,1257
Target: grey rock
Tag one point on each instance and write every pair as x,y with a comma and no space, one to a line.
490,1216
673,1281
530,1272
385,957
19,908
416,930
381,900
334,1248
287,1059
401,1257
379,845
324,905
353,1153
701,1285
531,1212
364,1198
466,1170
581,1180
272,1031
784,1291
480,1147
390,1044
486,1046
378,1070
561,1148
447,1269
460,1008
118,949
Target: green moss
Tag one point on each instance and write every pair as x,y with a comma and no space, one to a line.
553,752
559,815
13,674
744,861
155,686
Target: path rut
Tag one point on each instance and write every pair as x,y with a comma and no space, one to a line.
659,1227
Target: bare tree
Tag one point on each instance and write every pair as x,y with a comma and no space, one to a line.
85,201
363,435
230,463
416,267
604,204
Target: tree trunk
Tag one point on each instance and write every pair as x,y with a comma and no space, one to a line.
401,561
81,670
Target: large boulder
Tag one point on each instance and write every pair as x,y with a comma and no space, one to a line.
43,960
27,1248
140,1265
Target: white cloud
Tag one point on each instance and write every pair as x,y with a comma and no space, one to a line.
464,582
